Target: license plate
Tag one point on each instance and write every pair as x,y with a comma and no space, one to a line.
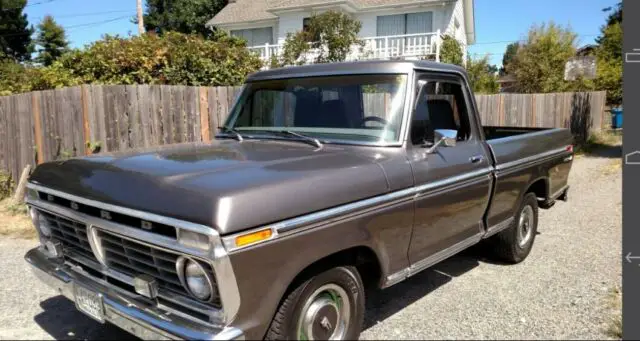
89,302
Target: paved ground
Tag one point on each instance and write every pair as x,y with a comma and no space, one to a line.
559,292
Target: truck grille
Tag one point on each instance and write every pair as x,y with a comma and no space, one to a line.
131,258
71,234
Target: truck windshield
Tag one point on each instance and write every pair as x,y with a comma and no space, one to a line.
351,108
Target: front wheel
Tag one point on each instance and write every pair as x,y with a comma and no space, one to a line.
327,306
514,244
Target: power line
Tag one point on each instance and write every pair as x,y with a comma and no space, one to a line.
524,40
76,15
42,2
95,23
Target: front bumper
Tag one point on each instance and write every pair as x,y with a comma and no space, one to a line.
142,320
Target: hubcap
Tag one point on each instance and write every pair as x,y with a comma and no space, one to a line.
525,226
325,315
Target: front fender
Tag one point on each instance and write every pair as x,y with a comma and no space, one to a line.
265,271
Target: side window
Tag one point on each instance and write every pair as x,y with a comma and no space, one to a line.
441,106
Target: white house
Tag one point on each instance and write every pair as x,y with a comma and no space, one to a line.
402,29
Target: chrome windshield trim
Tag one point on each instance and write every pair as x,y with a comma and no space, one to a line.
288,226
218,255
248,137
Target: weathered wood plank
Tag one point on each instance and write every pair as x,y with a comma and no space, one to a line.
144,106
204,114
134,123
37,124
167,116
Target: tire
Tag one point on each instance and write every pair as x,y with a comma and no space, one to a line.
321,293
513,244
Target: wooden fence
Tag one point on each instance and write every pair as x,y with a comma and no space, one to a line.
47,125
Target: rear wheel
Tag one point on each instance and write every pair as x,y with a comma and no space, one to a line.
327,306
514,244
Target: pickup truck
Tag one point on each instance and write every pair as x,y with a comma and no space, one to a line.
323,181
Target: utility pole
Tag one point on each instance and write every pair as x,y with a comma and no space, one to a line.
140,17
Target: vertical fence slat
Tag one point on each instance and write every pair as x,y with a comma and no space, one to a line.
37,124
204,114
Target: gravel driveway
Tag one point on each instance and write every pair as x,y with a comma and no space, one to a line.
559,292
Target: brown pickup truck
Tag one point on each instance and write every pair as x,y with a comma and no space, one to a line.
323,180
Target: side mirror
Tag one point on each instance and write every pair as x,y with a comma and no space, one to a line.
446,137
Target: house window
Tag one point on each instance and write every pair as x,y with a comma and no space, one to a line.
306,26
410,23
255,36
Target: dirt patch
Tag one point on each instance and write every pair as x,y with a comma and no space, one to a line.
15,222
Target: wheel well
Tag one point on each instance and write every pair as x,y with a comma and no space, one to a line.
539,188
362,257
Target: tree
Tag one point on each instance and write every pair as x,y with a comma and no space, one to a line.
482,75
51,41
331,35
609,58
451,51
15,33
185,16
539,63
509,54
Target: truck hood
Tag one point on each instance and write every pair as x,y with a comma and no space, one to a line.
225,184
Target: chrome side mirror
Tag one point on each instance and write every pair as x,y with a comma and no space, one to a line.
446,137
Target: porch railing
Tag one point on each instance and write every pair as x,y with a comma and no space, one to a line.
404,46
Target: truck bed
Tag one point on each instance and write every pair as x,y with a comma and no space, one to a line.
521,156
498,132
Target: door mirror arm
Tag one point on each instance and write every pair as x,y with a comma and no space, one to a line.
446,137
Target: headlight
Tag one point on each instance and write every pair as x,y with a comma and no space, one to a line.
40,222
196,280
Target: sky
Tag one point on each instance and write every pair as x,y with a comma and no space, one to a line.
498,22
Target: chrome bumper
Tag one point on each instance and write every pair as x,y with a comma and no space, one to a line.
143,320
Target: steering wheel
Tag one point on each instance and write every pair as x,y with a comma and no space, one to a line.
374,119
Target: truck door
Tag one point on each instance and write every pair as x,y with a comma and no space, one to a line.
453,181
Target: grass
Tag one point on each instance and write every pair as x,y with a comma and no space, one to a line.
614,328
604,139
614,167
14,221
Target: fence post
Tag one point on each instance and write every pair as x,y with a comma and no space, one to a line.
37,133
84,94
386,47
438,41
204,114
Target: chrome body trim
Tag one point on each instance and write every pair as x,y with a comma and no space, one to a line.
297,224
498,227
127,211
138,318
217,255
558,193
517,164
429,261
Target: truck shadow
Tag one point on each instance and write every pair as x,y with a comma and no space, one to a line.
381,304
62,321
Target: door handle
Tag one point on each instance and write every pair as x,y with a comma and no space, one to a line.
476,158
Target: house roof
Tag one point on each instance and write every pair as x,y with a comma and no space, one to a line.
257,10
242,11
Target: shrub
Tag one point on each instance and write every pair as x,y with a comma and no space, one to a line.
331,35
451,51
172,59
6,185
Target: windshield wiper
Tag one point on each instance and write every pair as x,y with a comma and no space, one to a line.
233,132
305,138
